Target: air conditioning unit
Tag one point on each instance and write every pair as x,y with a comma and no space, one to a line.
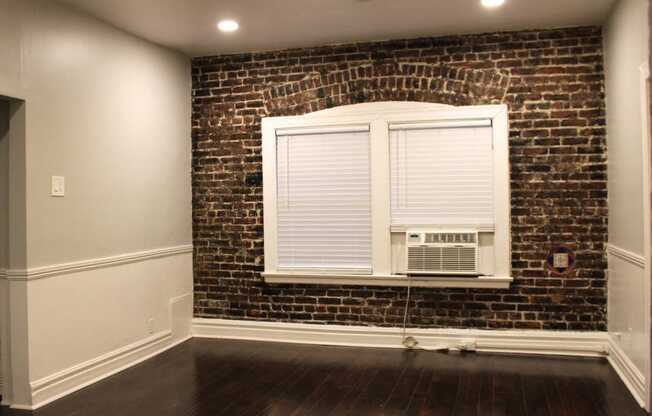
444,252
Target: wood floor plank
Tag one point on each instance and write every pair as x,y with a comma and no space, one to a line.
442,392
610,395
400,397
534,395
421,392
217,378
340,386
370,401
470,385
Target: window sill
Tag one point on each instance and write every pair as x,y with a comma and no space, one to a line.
484,282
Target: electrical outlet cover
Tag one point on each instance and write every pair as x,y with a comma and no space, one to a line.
561,260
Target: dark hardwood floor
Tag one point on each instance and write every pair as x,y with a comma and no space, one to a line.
213,377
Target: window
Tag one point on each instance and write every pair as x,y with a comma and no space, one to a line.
323,200
442,174
342,187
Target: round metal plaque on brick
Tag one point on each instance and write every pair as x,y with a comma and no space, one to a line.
560,260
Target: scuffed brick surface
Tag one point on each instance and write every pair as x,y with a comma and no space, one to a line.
553,84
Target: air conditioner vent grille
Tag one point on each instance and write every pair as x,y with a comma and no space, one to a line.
441,259
442,252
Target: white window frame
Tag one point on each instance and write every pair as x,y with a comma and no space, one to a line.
379,116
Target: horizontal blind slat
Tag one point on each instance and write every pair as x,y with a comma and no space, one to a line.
441,175
324,200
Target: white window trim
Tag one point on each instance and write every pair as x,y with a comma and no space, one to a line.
378,116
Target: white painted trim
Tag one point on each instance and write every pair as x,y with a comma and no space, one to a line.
482,228
377,108
5,359
627,371
482,282
381,241
20,407
67,378
625,255
78,266
269,194
502,194
564,343
590,344
63,383
13,95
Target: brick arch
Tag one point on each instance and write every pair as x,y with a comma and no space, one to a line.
397,81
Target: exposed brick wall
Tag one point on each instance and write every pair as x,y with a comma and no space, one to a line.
553,84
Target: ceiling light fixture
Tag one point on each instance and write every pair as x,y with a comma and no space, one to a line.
228,25
492,3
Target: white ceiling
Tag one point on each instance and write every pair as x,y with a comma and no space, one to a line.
190,25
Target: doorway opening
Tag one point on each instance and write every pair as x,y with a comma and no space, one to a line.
12,226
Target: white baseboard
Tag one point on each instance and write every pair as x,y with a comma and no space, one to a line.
625,368
60,384
69,380
39,392
592,344
568,343
55,386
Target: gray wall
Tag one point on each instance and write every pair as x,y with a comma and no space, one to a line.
626,50
111,113
4,184
4,235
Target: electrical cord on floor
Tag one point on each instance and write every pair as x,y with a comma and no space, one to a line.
410,342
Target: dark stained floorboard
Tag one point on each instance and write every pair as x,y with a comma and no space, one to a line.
534,396
214,377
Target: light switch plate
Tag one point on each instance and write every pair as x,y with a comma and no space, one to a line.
58,186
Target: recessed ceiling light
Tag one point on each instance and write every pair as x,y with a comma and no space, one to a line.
493,3
228,25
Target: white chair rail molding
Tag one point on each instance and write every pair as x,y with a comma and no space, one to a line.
388,194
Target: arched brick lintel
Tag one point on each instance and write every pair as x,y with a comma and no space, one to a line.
419,82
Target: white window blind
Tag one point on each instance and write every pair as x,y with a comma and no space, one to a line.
324,200
441,175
